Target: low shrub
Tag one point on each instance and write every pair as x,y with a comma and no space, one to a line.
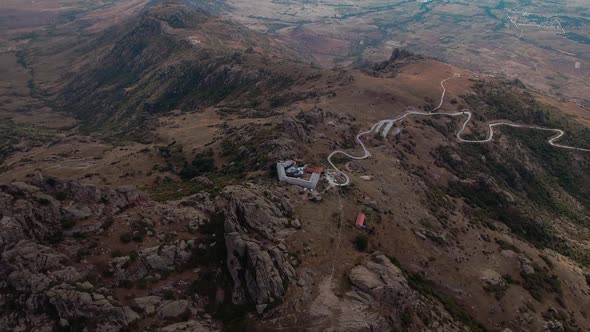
361,242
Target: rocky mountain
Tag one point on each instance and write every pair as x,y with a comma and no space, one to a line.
139,189
58,269
175,58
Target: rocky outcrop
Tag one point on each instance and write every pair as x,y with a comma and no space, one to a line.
33,268
253,208
492,279
260,271
280,149
94,197
27,214
168,257
148,304
313,117
398,59
104,312
255,220
252,147
50,232
526,266
40,212
378,277
51,258
164,258
173,309
381,299
295,129
39,280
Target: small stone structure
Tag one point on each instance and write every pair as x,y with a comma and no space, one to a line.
309,184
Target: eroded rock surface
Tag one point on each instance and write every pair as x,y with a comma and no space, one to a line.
38,212
49,227
44,283
255,220
381,299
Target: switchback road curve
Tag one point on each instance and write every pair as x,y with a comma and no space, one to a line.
387,124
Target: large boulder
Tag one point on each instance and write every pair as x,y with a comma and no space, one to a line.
174,309
148,304
492,279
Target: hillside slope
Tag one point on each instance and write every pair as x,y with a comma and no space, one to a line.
172,58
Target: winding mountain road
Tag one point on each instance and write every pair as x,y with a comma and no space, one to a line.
387,124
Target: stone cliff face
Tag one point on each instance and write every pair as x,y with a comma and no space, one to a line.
255,222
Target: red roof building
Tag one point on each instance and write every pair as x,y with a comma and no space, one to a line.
319,170
360,220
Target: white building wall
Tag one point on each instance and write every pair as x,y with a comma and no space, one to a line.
309,184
